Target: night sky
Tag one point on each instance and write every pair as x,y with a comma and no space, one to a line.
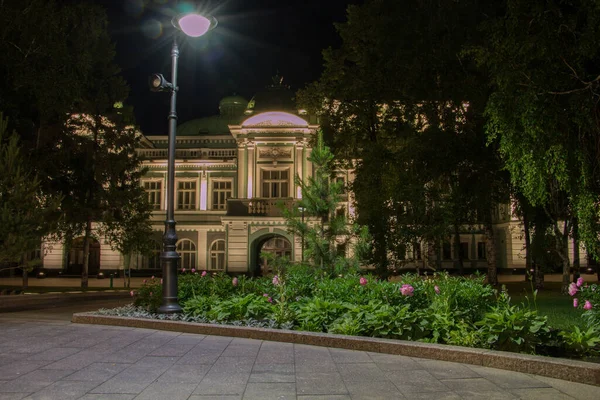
253,41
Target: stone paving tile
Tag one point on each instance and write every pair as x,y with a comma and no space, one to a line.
175,350
200,356
373,390
436,396
577,390
275,353
187,338
361,372
63,390
276,373
20,368
501,395
215,397
242,348
226,365
179,373
341,356
320,383
541,394
54,354
76,361
325,397
13,396
34,381
97,372
106,396
508,379
470,384
389,362
270,391
171,391
120,386
447,370
316,366
409,382
232,384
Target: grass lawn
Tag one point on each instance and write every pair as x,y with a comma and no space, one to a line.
550,302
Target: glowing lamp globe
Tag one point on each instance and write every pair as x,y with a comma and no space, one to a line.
194,25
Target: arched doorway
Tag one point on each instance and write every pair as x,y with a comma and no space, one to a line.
75,257
271,243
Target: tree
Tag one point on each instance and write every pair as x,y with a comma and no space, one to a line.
402,98
26,213
543,62
326,231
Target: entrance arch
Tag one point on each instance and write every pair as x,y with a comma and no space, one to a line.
75,257
277,242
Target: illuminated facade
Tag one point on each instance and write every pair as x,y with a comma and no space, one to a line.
232,172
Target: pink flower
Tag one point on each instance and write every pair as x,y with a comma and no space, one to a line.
579,281
234,281
407,290
587,305
203,273
572,289
265,295
152,277
363,281
145,281
575,302
193,270
132,293
150,293
182,270
161,281
437,289
270,300
275,280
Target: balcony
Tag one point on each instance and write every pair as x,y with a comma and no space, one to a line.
188,154
258,207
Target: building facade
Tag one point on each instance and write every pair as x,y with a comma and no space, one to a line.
233,171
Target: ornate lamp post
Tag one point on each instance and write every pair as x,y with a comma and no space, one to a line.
193,25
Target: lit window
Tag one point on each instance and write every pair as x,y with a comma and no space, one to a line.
221,191
275,183
154,191
217,255
481,251
186,195
187,250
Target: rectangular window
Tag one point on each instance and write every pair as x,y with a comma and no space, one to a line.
341,249
416,248
186,195
447,251
221,191
154,190
481,252
464,251
275,183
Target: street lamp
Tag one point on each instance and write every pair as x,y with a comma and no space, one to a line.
302,209
194,25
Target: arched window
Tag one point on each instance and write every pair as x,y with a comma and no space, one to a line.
187,250
150,261
217,255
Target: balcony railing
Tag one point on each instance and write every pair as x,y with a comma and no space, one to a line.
188,154
258,207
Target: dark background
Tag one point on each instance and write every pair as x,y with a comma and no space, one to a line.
254,41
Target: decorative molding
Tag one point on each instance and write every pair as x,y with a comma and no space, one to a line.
275,153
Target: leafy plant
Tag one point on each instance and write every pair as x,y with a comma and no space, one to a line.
582,342
317,314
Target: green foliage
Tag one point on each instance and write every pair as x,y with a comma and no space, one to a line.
513,328
239,308
149,295
321,228
26,212
582,341
317,314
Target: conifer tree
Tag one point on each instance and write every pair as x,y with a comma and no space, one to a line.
323,229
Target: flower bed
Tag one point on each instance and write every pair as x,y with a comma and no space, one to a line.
440,309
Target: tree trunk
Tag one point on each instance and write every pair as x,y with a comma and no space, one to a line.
86,254
527,231
25,271
490,251
576,259
562,249
538,277
458,262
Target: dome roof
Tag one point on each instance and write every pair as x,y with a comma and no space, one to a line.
275,97
232,105
214,125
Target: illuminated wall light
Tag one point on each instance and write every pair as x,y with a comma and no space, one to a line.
203,192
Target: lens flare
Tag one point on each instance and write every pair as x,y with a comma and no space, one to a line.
194,25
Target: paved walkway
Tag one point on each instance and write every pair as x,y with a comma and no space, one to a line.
44,356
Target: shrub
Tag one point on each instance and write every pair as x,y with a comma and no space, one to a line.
582,342
317,314
513,328
149,295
